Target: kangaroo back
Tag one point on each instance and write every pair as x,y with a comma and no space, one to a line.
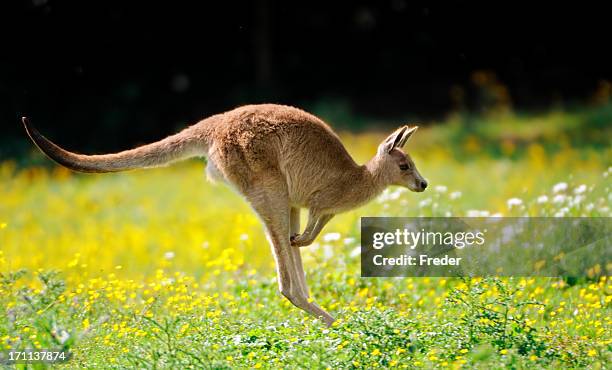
183,145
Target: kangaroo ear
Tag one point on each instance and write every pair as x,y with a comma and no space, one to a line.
392,141
396,140
407,134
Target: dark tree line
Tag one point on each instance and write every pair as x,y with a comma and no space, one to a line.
130,71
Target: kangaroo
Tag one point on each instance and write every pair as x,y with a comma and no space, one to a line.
280,159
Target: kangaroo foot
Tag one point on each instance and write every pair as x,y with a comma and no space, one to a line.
299,240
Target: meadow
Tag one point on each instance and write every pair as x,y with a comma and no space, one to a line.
160,268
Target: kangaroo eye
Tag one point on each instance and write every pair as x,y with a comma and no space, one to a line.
404,167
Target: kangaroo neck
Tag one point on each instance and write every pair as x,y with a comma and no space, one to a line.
365,185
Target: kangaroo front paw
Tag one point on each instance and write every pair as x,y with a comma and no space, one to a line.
299,240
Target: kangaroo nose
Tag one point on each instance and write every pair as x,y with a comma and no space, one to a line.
423,184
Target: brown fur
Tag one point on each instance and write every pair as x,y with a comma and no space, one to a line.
280,159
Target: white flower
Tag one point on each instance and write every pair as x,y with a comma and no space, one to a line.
396,194
425,202
244,237
169,255
384,196
63,336
355,252
473,213
478,213
577,200
514,202
542,199
440,188
589,207
328,251
330,237
562,186
497,215
349,241
580,189
562,212
455,195
559,198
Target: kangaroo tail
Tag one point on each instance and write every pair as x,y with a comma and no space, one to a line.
171,149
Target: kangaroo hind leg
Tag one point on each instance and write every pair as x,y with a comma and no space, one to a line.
272,205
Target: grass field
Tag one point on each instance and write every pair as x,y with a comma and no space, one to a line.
160,268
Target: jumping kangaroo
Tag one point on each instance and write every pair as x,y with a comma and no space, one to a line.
281,159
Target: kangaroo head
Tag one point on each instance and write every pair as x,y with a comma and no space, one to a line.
393,166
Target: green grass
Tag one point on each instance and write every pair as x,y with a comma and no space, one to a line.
161,269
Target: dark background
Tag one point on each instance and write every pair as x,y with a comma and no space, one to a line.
103,75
